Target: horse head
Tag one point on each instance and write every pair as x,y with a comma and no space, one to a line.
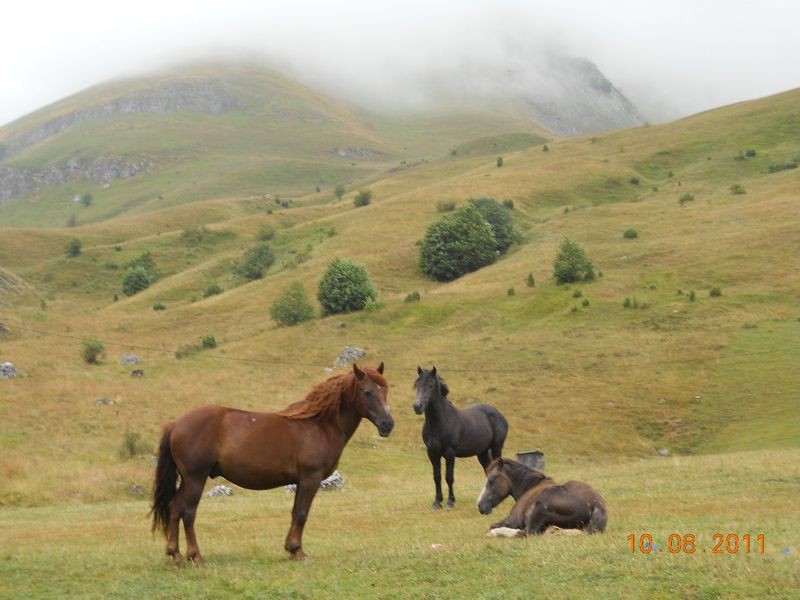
371,400
428,386
497,488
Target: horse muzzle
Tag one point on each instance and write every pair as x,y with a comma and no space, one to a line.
385,427
418,408
485,508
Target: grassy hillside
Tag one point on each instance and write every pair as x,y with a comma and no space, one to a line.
599,388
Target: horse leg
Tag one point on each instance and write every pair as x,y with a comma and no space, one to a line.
538,519
306,490
449,465
436,462
192,491
484,459
173,527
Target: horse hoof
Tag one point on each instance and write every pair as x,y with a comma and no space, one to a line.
299,555
178,560
198,561
451,503
436,505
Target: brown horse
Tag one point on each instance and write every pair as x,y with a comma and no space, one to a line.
300,444
540,501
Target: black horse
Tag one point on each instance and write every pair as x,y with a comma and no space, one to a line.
478,430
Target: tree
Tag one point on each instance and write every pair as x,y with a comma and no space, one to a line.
457,245
339,191
345,287
92,351
499,217
87,199
74,247
292,306
571,263
499,161
362,198
135,279
255,261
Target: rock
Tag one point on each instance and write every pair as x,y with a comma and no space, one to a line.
130,359
104,402
335,481
7,370
663,452
137,373
219,490
349,355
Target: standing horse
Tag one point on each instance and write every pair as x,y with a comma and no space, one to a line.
478,430
540,501
300,444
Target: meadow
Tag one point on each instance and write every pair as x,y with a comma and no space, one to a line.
599,387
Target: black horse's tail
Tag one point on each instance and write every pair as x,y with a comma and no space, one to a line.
164,489
598,519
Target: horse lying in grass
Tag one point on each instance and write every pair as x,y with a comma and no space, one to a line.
540,501
300,444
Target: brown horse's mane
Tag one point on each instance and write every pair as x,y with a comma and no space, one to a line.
525,475
324,399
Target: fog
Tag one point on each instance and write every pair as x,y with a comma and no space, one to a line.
670,59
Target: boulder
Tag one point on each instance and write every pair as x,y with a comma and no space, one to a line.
7,370
348,355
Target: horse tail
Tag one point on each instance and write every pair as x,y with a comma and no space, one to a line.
598,519
166,477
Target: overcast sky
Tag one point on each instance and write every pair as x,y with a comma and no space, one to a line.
671,58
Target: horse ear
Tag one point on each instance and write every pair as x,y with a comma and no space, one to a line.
419,370
359,373
433,371
380,368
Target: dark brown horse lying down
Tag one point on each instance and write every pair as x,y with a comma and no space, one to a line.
300,444
540,501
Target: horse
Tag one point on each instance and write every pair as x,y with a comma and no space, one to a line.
540,501
478,430
300,444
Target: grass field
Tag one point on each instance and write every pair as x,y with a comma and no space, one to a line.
599,388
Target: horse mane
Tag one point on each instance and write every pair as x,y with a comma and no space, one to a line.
524,474
325,398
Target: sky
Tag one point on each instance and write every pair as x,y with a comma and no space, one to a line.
671,58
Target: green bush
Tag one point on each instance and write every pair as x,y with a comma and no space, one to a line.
339,191
459,244
571,263
87,199
266,233
577,294
345,287
445,206
634,180
292,306
412,297
692,295
255,261
209,341
750,153
158,306
508,203
499,217
499,161
585,302
73,248
530,281
715,292
362,198
687,197
782,167
737,188
212,290
131,445
545,148
93,350
135,279
630,234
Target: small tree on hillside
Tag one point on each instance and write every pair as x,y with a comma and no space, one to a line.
292,306
74,248
87,199
457,245
345,287
135,280
339,191
499,217
571,263
362,198
255,261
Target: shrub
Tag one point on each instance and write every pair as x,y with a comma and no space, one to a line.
412,297
571,263
508,203
782,167
545,148
692,295
73,248
499,217
147,262
750,153
530,282
87,199
345,287
72,221
687,197
577,294
630,234
131,445
737,188
362,198
634,180
208,341
135,279
93,350
670,173
445,206
511,291
339,191
212,290
292,306
715,292
499,161
255,261
626,303
457,245
158,306
585,302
